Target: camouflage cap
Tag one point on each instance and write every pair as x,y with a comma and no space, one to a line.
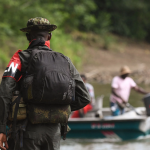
38,23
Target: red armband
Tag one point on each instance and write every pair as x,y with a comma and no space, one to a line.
13,69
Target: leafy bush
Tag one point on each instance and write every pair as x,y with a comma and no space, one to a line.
4,59
64,43
60,42
122,17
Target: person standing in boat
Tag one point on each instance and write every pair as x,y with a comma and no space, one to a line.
120,91
80,113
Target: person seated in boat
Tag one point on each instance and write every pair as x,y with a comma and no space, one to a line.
90,89
80,113
120,91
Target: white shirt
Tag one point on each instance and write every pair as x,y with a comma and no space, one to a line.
90,89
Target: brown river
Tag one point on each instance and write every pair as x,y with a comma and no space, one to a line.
78,144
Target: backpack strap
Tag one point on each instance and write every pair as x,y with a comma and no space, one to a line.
17,101
17,131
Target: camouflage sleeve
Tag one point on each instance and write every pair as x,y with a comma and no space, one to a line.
82,97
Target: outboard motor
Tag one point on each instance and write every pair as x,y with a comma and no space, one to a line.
146,101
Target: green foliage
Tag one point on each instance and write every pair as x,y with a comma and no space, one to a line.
4,59
107,42
60,42
127,18
64,13
63,43
15,15
123,17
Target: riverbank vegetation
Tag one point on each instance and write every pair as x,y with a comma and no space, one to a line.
124,18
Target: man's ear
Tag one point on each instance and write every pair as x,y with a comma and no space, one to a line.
28,37
49,36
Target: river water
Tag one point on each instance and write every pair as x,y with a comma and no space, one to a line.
77,144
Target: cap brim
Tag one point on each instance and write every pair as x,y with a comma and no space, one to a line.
49,28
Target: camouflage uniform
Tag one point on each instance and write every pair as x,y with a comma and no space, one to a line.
43,135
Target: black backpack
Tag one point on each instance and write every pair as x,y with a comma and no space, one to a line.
48,79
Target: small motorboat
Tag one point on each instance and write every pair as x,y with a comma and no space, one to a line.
133,124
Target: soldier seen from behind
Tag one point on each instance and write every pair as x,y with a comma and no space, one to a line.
50,86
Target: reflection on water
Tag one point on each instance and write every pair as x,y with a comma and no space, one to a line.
71,144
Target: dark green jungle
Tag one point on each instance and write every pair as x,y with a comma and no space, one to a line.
120,17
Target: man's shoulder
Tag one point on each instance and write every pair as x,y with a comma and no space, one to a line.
116,78
62,55
89,85
25,51
25,54
129,79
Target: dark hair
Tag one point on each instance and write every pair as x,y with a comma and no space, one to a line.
83,76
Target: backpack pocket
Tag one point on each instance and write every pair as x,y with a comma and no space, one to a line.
27,87
43,113
55,88
71,90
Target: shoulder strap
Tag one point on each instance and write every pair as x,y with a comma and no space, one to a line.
33,52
